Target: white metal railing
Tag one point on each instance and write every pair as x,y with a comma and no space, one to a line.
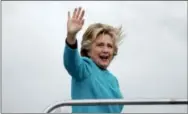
115,102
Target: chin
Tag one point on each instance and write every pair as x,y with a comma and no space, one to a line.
103,66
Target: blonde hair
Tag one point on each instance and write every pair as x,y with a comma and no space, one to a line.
94,30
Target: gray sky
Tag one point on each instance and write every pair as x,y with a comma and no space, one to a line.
151,63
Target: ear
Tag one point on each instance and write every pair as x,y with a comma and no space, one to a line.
89,53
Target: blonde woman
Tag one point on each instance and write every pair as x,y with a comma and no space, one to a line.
90,76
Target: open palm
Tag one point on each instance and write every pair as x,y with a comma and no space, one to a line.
75,22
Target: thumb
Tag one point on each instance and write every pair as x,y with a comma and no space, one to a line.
68,15
82,22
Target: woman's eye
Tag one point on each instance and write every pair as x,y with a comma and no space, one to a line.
100,44
110,46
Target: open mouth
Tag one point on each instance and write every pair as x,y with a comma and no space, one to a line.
104,57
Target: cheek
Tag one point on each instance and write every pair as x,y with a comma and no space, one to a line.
97,51
112,54
111,51
95,55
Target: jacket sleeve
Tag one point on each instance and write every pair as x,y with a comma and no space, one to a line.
78,67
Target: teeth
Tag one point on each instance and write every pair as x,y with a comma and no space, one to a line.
104,57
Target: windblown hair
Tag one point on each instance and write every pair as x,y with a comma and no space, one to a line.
96,29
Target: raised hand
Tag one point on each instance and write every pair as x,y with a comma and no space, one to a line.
75,23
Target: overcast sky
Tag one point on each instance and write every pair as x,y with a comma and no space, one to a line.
151,62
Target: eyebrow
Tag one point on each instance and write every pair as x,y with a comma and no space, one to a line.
104,43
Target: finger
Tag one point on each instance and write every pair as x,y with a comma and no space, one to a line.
74,14
68,15
78,12
82,15
82,22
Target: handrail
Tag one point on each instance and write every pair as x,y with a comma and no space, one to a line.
116,102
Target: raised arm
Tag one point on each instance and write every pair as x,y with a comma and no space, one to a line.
74,24
78,67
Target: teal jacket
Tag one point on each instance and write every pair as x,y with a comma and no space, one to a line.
90,82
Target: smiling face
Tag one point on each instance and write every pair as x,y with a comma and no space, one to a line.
101,51
100,43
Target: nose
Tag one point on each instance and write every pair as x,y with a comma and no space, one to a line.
105,49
